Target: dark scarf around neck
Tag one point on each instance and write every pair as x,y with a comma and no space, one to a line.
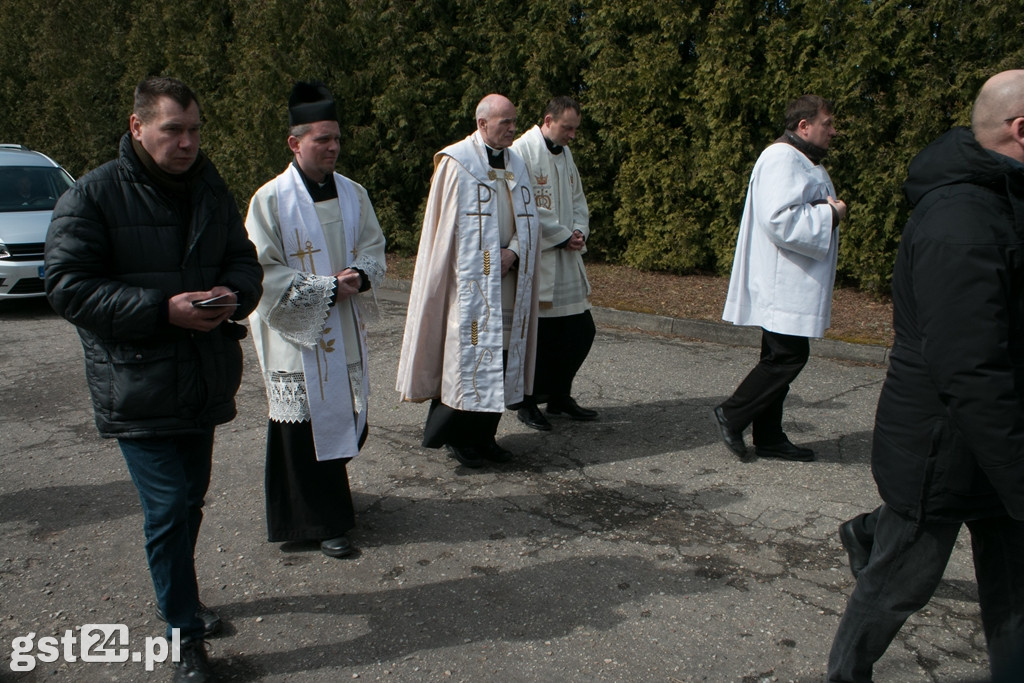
175,183
810,150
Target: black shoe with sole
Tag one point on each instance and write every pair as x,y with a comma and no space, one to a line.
337,547
858,552
569,406
211,620
466,455
733,440
194,666
496,453
529,414
785,451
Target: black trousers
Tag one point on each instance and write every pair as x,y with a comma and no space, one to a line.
563,344
758,399
459,428
907,561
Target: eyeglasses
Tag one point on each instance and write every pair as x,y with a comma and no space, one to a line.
1013,118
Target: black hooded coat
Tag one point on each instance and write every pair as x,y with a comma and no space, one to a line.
949,431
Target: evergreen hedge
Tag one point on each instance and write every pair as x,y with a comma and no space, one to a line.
679,98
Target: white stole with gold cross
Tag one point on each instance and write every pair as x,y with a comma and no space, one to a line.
328,388
485,383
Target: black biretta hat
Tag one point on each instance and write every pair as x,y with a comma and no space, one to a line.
310,102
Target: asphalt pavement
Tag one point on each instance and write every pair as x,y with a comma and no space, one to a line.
634,548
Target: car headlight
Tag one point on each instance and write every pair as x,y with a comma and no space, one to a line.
4,251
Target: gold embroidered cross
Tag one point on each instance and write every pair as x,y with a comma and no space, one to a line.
484,195
302,254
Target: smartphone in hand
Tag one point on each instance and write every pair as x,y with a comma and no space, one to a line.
215,302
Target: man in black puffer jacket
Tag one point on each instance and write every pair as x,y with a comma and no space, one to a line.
949,432
134,248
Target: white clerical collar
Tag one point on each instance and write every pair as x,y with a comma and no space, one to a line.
495,157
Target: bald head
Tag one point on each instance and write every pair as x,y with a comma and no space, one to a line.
496,121
997,118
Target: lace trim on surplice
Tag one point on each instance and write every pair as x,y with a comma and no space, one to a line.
300,314
369,310
373,269
286,394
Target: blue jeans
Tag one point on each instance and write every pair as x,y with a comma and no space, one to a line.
906,566
172,475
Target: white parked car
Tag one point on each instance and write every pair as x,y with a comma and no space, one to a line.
30,184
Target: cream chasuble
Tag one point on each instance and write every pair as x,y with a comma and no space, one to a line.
455,328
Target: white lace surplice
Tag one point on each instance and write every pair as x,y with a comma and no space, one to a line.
295,304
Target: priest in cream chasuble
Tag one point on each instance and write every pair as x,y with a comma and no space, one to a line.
471,328
320,245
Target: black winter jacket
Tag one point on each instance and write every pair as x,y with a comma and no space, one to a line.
949,431
117,249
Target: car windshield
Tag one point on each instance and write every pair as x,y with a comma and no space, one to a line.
31,188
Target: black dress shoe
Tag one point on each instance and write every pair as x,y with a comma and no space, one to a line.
466,455
858,551
785,451
529,414
496,453
211,620
193,666
733,439
569,406
337,547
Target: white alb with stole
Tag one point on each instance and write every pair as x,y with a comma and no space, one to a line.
295,325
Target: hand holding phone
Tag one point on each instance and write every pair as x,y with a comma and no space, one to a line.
215,302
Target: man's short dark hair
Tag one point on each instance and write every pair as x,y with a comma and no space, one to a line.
805,107
558,105
149,91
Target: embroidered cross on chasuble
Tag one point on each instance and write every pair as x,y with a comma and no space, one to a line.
499,213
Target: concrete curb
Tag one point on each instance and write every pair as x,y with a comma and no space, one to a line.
701,330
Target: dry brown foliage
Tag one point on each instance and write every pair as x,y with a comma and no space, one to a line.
856,316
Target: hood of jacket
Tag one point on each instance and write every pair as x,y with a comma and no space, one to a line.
956,157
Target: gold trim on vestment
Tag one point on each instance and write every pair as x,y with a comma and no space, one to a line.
480,213
476,369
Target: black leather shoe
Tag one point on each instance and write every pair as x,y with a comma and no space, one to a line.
733,439
858,552
211,620
529,414
569,406
466,455
785,451
496,453
193,666
337,547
